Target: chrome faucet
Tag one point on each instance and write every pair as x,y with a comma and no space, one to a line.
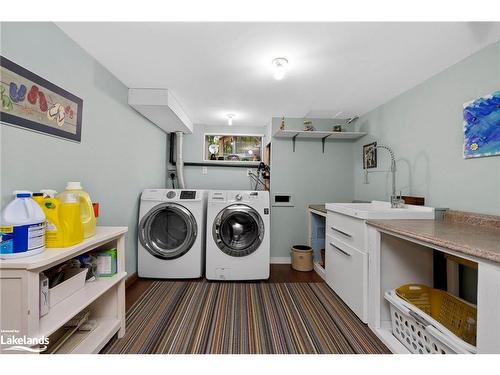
396,201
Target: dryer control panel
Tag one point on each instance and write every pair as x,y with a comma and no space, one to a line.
188,194
217,196
172,195
234,196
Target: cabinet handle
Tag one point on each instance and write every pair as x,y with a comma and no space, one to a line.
339,249
341,232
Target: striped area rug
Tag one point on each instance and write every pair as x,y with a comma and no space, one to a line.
243,318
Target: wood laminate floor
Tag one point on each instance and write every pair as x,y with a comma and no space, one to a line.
280,273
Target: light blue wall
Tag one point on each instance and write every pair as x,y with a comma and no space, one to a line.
121,153
217,177
424,127
311,176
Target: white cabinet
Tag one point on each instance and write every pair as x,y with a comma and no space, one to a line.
347,275
346,270
348,255
347,229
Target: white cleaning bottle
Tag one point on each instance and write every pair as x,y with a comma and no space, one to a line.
22,228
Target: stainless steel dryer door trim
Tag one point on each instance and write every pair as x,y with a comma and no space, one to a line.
155,244
238,230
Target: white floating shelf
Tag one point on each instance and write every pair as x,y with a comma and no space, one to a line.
316,134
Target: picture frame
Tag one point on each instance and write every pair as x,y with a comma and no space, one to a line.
481,126
31,102
371,160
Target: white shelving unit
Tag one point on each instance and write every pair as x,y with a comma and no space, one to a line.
76,303
313,215
105,297
397,259
316,134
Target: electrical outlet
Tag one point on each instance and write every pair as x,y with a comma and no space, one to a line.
204,170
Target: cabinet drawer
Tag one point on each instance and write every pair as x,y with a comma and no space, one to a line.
347,274
346,229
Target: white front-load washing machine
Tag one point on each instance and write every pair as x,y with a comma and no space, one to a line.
171,233
238,235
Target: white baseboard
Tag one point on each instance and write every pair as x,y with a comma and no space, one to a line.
281,260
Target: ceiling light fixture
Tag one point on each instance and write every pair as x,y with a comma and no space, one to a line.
230,117
280,65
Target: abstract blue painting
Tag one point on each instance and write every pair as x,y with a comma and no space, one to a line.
482,126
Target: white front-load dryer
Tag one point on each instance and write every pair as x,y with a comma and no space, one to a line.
171,233
238,235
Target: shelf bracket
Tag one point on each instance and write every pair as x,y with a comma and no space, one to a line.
323,142
293,141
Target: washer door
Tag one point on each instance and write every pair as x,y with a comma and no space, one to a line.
238,230
168,231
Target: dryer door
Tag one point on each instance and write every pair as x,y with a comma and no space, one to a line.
238,230
168,231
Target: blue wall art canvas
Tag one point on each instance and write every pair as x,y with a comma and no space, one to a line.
482,126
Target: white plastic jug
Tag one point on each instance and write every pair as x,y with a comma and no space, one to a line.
22,228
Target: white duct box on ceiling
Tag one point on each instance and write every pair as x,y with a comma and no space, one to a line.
161,108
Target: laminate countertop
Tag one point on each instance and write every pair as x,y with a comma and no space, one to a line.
473,234
318,207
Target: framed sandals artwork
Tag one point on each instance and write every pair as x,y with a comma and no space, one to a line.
31,102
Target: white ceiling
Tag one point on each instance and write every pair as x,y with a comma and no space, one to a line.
219,68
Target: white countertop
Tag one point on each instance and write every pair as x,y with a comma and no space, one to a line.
381,210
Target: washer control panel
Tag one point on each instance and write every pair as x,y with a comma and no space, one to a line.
171,194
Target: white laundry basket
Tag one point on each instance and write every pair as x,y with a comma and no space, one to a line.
420,333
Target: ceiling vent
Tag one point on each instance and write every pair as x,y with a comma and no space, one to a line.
161,108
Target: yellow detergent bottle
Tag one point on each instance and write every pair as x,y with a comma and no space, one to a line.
38,198
54,232
70,217
86,210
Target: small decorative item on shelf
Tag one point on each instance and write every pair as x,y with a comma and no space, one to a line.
282,126
337,128
308,126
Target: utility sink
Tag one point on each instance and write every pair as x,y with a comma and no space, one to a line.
381,210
